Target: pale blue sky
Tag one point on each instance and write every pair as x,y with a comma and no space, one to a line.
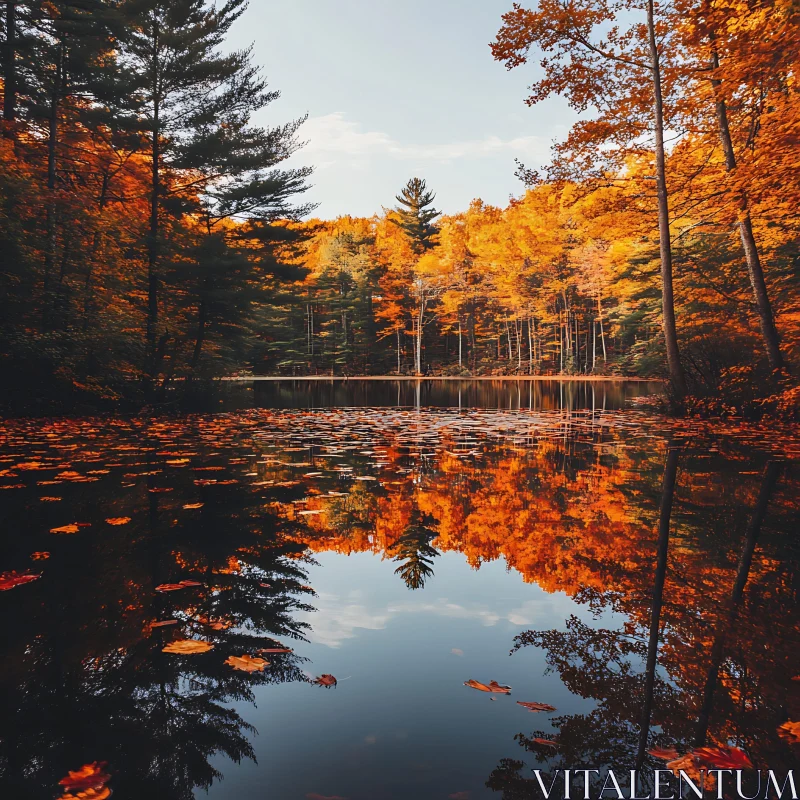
400,88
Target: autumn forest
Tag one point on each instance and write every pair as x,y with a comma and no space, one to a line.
437,499
152,236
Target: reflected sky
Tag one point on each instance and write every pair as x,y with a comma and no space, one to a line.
401,723
404,552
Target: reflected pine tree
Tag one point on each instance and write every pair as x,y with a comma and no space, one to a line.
414,553
92,681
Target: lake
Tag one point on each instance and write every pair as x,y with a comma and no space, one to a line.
178,589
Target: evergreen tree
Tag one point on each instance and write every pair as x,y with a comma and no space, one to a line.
186,83
415,215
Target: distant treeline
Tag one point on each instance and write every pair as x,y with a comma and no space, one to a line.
151,235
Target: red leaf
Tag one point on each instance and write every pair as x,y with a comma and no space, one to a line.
8,580
536,706
723,757
664,753
89,776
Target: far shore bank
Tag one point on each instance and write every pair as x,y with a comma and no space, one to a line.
557,378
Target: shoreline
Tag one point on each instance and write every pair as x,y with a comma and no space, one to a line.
409,378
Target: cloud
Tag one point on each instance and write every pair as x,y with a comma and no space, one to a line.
337,621
443,608
333,138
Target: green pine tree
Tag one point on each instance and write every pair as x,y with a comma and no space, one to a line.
416,214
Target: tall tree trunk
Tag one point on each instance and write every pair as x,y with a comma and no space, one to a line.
769,332
728,619
530,348
459,343
52,167
676,374
9,65
201,332
420,320
152,241
667,493
602,333
397,330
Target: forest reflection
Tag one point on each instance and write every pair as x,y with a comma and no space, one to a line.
682,530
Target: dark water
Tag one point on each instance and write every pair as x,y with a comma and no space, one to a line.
404,551
535,395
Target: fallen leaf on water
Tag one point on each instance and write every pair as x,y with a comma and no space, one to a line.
326,681
118,520
664,753
188,647
546,742
49,499
89,776
163,623
103,793
493,686
191,506
40,556
71,528
247,663
8,580
723,757
790,731
536,706
174,587
690,764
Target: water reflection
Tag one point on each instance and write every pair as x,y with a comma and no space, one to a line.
669,541
463,393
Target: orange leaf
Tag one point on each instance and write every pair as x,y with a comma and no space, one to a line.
8,580
723,757
89,776
790,731
72,528
326,680
664,753
536,706
188,647
493,686
118,520
247,663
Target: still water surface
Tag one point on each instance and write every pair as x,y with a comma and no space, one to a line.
401,546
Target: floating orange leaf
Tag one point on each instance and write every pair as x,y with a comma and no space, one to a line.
790,731
723,757
546,742
89,776
536,706
118,520
71,528
493,686
247,663
188,647
40,556
326,680
175,587
8,580
664,753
